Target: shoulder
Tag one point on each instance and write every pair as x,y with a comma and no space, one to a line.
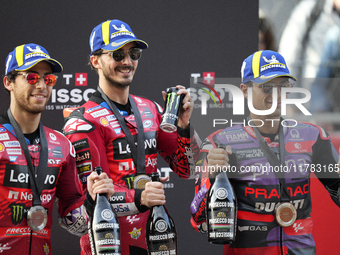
58,140
143,102
308,129
84,118
226,136
54,136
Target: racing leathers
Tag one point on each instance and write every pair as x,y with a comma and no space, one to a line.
60,182
99,140
307,149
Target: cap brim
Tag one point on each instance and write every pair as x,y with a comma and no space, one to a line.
265,78
120,43
55,65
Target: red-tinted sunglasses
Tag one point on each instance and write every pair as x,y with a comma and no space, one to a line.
33,78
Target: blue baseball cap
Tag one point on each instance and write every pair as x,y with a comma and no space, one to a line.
25,56
112,35
263,66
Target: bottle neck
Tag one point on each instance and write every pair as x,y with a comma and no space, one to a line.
222,174
101,195
155,177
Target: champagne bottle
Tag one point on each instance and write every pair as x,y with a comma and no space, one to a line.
221,211
161,236
104,229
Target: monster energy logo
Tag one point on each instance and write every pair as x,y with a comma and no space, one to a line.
19,212
129,181
171,98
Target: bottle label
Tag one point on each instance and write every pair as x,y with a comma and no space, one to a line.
102,226
221,204
108,243
161,226
164,244
105,242
221,221
107,238
162,237
171,252
221,235
107,214
221,193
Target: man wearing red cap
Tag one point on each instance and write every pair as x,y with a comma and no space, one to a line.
37,163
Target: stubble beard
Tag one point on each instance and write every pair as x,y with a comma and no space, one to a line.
25,105
112,82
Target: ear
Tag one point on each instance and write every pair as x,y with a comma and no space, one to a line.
8,84
95,61
244,89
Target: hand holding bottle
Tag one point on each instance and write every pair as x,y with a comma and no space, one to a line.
218,157
104,229
99,184
161,236
153,194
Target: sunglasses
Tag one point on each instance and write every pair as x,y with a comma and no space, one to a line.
119,55
267,87
33,78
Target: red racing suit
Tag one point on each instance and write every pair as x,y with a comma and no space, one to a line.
61,183
307,149
99,140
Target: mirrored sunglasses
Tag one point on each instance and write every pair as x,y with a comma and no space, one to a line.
33,78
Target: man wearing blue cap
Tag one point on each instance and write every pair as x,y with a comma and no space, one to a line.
123,132
37,163
268,162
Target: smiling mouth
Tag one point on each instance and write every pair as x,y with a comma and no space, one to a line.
125,71
39,96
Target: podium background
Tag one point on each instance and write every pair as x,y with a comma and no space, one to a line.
184,37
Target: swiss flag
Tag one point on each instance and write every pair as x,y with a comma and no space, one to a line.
209,78
81,79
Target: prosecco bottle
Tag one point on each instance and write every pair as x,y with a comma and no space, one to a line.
160,233
221,211
104,229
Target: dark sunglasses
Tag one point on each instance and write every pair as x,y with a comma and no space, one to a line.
267,87
33,78
119,55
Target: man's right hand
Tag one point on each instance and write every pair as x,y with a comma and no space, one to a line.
153,194
217,158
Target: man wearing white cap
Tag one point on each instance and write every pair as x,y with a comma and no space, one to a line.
37,163
268,162
123,131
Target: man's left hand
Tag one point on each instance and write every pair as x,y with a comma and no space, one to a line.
187,107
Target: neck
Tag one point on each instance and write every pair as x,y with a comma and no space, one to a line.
28,122
266,124
117,94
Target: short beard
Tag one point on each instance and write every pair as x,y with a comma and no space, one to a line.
116,84
113,83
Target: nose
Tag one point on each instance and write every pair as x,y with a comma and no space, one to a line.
127,59
41,83
278,88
